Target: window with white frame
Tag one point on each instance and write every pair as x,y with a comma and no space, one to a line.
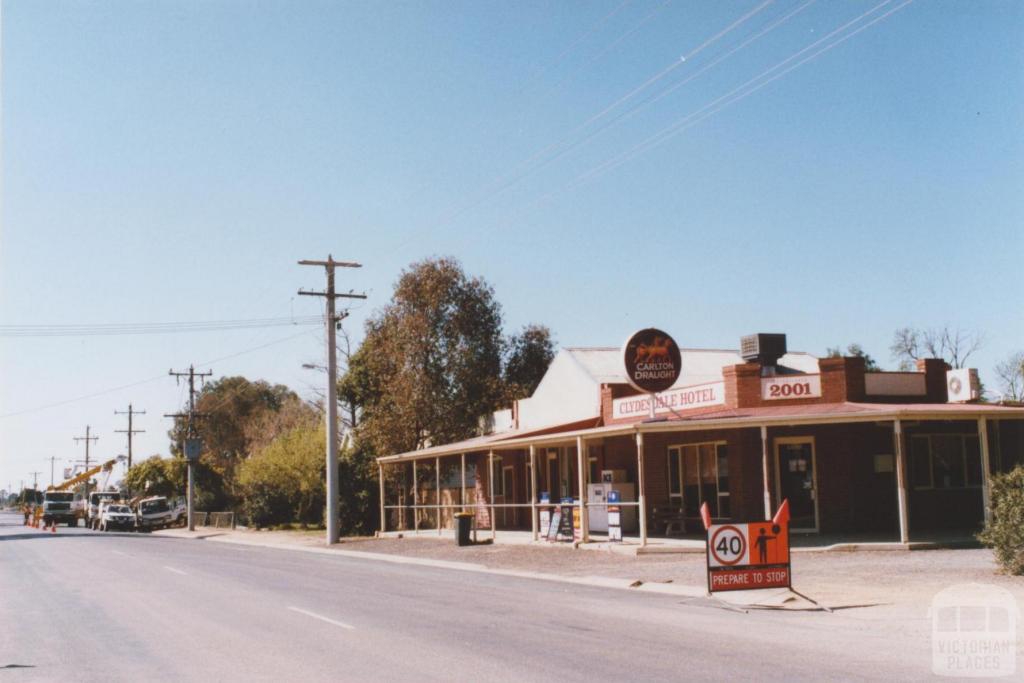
945,461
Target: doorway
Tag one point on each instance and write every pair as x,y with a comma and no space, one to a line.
796,480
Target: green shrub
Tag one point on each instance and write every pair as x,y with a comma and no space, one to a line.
284,482
1005,532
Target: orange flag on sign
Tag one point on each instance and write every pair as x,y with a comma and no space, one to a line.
782,516
705,515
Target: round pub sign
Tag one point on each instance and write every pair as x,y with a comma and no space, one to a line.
652,360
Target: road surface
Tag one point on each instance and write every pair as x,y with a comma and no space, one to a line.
87,606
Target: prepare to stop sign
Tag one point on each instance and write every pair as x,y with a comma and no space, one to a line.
749,555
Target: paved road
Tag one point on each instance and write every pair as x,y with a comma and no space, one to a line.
88,606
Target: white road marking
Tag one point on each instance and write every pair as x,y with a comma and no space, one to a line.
118,552
322,618
176,571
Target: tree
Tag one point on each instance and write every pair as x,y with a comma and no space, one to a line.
1011,377
228,408
856,351
430,363
157,476
284,482
528,356
953,346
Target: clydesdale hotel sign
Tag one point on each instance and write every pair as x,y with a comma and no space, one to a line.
652,360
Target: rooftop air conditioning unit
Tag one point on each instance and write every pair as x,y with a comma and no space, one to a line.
763,348
963,385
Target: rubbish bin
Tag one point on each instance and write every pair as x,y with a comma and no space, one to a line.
464,522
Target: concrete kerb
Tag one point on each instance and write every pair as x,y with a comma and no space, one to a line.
593,581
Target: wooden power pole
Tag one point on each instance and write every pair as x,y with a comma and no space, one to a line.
332,319
190,446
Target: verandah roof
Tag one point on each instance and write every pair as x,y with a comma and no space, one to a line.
731,418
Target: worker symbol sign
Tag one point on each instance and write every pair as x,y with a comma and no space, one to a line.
749,555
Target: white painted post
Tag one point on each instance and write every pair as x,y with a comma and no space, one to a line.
533,491
764,473
641,498
986,484
581,464
462,500
490,481
383,519
437,491
901,481
415,500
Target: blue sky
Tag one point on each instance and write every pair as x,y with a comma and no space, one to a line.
171,161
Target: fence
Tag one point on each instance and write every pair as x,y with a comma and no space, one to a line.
218,520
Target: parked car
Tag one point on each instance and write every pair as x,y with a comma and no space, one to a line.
153,513
116,516
92,511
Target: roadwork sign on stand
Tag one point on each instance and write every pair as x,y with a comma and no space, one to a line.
749,555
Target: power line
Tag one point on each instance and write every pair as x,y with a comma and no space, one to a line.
145,381
522,169
107,329
732,97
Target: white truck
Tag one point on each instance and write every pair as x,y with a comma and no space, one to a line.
153,513
58,508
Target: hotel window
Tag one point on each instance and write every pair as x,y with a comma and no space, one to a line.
699,473
945,461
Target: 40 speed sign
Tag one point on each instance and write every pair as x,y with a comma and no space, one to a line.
749,555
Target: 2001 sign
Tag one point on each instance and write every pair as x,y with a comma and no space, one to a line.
801,386
786,390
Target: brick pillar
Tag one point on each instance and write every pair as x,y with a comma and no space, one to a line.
842,379
742,385
934,370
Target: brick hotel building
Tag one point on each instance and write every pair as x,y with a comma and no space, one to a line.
895,456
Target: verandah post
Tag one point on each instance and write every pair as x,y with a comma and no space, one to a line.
901,481
383,519
641,498
764,473
533,491
986,490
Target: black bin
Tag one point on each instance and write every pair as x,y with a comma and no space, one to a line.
463,525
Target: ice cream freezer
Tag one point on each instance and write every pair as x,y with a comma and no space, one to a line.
597,498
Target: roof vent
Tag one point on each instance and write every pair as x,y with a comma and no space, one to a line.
763,348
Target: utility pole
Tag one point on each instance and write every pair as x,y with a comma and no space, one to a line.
52,458
332,321
189,447
86,439
35,480
130,431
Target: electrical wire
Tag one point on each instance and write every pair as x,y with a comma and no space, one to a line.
510,178
148,380
119,329
718,104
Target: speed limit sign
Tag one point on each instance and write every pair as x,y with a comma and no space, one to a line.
727,545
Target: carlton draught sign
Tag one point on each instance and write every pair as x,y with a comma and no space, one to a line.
652,360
